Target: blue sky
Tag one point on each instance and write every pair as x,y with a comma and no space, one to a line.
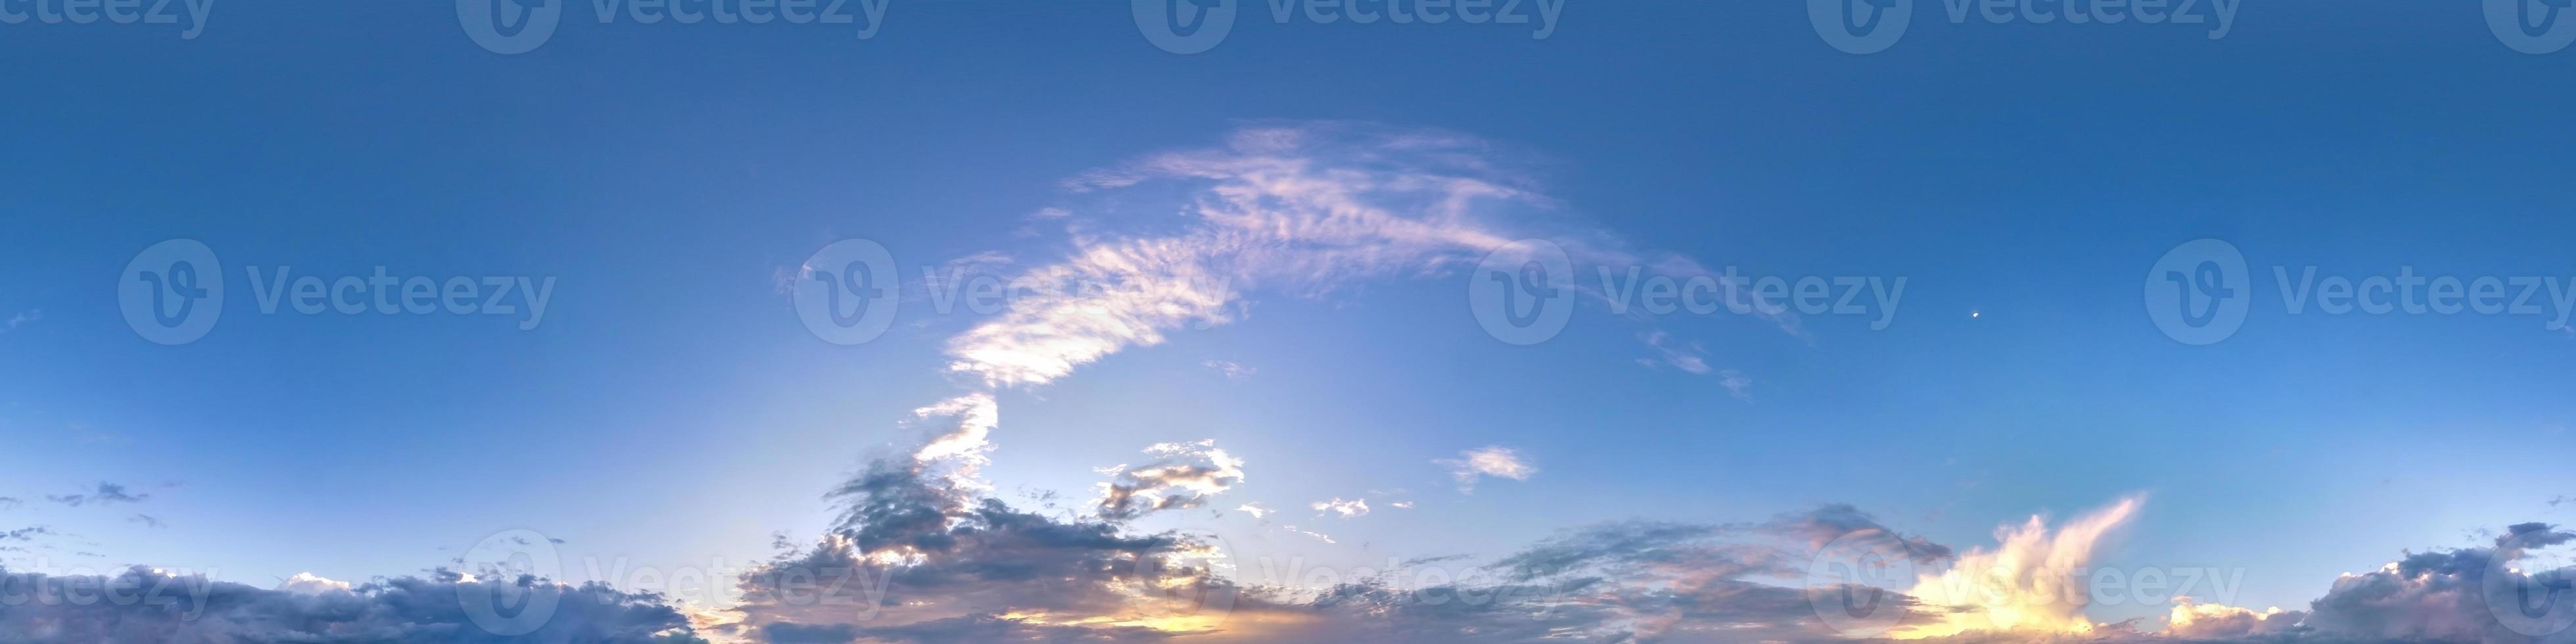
670,409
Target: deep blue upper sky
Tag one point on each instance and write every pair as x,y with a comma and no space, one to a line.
670,408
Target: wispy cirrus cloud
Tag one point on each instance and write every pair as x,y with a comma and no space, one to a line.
1229,369
105,493
1298,209
21,318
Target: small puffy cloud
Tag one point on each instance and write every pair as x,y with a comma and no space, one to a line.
305,583
1182,475
1255,509
1736,384
1345,508
1492,460
2193,620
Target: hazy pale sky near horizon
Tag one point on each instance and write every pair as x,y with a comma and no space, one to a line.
633,208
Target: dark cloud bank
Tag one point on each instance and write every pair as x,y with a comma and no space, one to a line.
920,558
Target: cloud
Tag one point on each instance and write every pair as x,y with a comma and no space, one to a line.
2456,595
169,607
1618,582
1815,529
1736,384
988,628
965,445
9,503
916,557
2027,571
21,318
2445,595
105,494
1255,509
147,520
1281,208
1183,475
1492,460
306,583
1687,356
1229,369
1347,509
2194,620
1317,535
1299,209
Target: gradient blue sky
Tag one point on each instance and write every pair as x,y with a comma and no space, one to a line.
671,409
